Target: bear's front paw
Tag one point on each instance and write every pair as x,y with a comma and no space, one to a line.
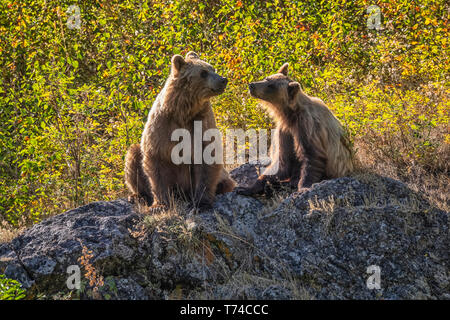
139,200
243,191
256,188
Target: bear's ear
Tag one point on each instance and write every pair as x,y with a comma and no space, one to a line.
293,90
284,69
177,63
192,55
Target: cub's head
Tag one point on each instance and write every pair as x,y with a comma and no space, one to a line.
278,89
197,77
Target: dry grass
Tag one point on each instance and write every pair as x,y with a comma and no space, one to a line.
175,223
241,284
7,232
248,275
432,183
175,226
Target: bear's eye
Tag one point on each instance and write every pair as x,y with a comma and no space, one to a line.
271,86
204,74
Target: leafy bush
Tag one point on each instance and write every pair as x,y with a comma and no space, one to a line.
10,289
73,100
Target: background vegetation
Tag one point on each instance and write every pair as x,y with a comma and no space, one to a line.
10,289
73,100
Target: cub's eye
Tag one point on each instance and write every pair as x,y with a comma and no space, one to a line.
271,86
204,74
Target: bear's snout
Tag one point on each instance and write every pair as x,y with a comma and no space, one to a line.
220,84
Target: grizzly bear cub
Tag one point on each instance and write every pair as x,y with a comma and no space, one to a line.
150,172
311,144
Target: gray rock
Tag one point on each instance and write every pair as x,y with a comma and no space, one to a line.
247,174
312,245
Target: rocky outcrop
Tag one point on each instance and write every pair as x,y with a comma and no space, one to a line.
315,245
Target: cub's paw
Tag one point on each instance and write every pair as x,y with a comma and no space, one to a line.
132,199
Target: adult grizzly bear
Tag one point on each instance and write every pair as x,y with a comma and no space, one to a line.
150,172
312,144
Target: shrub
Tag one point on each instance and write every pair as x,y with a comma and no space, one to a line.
73,100
10,289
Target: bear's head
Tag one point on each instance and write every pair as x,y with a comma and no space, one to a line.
196,78
278,89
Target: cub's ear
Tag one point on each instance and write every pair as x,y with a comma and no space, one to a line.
192,55
284,69
293,90
177,63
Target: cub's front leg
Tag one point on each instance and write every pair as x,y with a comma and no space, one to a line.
284,161
205,180
312,171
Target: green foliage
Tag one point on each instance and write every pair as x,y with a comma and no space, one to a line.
73,100
10,289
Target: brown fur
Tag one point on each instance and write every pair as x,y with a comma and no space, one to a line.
135,179
183,100
312,144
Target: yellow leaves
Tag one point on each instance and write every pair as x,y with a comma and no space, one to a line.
431,21
408,69
95,280
244,44
142,15
447,139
